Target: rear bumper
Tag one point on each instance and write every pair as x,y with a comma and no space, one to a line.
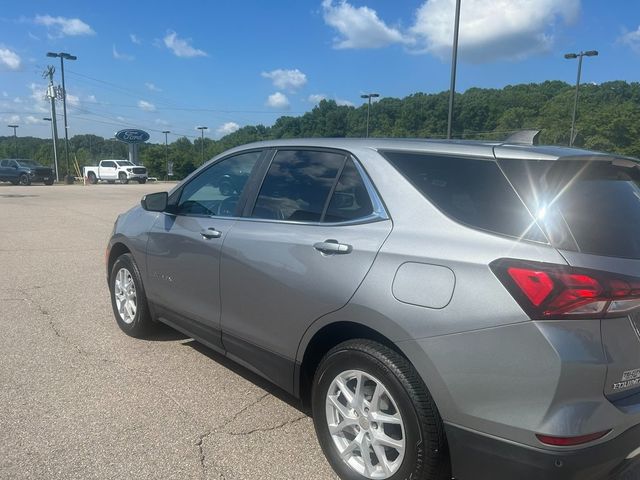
475,456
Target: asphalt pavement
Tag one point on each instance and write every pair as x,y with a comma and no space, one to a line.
81,400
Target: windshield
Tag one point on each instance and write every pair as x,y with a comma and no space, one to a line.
28,163
584,206
125,163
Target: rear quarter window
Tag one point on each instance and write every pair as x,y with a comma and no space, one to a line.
471,191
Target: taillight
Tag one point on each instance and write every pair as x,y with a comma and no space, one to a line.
549,291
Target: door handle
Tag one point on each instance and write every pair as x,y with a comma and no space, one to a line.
210,233
331,247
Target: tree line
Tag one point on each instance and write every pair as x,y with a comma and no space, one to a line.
608,120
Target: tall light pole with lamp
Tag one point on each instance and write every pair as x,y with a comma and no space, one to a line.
571,56
15,139
369,96
64,56
202,129
166,151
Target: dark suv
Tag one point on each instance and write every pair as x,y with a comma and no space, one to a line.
25,172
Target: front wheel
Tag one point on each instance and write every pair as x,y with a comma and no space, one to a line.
374,417
142,180
123,178
128,298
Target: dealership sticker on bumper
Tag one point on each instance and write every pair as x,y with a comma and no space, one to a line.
629,379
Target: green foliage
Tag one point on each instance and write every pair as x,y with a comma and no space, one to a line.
608,120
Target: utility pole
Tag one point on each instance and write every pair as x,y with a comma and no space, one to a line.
369,96
166,152
15,139
202,129
51,94
454,63
65,56
570,56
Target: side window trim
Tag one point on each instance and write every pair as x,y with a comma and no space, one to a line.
243,196
333,188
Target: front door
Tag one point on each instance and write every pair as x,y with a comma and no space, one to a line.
183,251
313,234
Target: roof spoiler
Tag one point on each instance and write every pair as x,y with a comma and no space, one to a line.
524,137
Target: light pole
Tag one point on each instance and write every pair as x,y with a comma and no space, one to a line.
571,56
64,56
166,152
369,96
454,63
202,129
15,140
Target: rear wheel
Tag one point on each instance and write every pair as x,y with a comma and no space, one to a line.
49,182
123,178
92,178
24,179
128,298
374,417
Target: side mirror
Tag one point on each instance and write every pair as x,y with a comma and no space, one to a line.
155,202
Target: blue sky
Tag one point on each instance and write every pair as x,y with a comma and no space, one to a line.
225,64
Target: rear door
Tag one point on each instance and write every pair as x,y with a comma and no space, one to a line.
107,170
312,234
183,251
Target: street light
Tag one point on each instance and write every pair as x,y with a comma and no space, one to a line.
64,56
571,56
15,139
369,96
166,151
454,63
202,129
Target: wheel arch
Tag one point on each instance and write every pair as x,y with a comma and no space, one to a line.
116,250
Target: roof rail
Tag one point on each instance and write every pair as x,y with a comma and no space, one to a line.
524,137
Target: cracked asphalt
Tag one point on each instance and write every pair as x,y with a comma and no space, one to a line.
81,400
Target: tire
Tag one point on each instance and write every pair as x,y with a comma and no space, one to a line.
139,323
414,422
48,182
24,179
92,178
142,180
123,178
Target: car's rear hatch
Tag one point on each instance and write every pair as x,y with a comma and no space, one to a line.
589,208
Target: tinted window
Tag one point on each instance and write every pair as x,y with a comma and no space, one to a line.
108,164
4,163
216,191
590,207
350,199
125,164
297,185
471,191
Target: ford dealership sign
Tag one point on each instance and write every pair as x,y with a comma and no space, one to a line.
132,135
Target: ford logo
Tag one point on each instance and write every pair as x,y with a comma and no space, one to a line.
132,135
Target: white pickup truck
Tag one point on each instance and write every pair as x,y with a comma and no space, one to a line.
112,170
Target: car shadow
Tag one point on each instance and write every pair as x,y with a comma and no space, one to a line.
164,333
249,376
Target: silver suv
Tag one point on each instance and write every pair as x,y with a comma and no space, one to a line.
464,309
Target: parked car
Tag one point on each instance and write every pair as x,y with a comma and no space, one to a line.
25,172
112,170
465,309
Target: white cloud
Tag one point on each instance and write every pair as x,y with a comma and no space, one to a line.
160,121
134,39
146,106
181,47
316,98
491,29
73,100
631,39
152,87
286,79
91,98
9,59
358,27
30,120
278,100
227,128
122,56
38,95
12,119
63,26
344,103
